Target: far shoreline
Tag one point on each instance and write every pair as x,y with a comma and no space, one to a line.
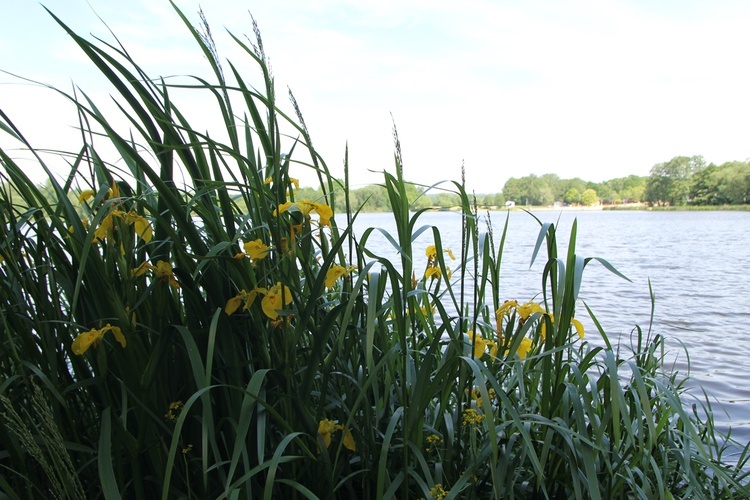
594,208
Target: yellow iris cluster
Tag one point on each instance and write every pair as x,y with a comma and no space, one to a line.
106,229
525,311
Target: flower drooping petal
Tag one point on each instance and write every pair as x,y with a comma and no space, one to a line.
276,298
249,297
506,308
334,272
349,441
141,225
529,308
164,274
107,226
578,326
119,337
92,337
283,208
85,195
524,347
141,269
233,304
326,428
85,340
432,272
480,344
325,212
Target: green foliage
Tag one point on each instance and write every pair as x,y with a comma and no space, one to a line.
183,321
727,184
572,196
589,197
544,190
669,182
688,180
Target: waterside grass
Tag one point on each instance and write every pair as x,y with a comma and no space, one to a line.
177,324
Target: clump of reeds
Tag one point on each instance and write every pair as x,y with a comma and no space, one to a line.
198,331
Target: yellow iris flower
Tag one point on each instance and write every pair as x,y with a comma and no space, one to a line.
255,250
164,274
479,344
335,272
524,347
433,270
85,195
140,224
244,296
578,326
162,270
526,310
307,207
327,427
276,298
92,337
529,308
431,252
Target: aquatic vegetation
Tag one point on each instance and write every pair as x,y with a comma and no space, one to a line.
259,347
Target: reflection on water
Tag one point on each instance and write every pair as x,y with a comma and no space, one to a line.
694,260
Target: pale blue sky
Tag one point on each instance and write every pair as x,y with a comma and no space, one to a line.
593,89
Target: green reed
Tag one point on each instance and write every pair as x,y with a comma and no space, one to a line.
179,324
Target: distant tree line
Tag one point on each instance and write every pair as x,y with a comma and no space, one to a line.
683,180
529,190
680,181
688,180
549,188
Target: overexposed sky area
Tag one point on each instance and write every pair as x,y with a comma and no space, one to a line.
578,88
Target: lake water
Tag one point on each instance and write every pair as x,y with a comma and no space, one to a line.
694,261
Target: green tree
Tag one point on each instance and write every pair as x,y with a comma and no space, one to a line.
703,190
513,190
669,182
530,190
373,198
589,197
733,183
605,192
572,196
630,188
